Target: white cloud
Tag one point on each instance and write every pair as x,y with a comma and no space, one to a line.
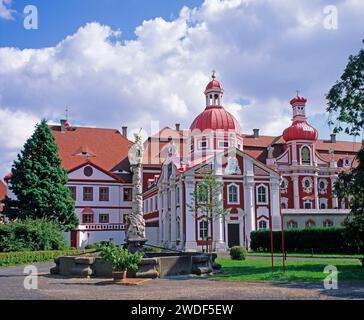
5,12
15,128
263,51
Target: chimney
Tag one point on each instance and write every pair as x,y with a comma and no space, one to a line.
125,132
177,126
256,133
63,125
333,138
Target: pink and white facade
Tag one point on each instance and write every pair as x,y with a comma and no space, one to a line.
266,179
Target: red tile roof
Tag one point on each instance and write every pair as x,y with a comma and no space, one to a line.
106,148
3,192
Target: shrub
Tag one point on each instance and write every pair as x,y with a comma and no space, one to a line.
238,253
152,249
32,235
120,258
317,240
25,257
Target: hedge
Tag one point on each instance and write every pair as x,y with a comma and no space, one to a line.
25,257
317,240
32,235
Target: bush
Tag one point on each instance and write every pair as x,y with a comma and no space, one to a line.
120,258
152,249
25,257
32,235
238,253
317,240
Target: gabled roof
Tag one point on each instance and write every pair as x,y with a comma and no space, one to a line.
154,146
108,173
109,147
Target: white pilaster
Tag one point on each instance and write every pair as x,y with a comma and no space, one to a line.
315,185
296,192
335,200
294,153
190,242
275,205
173,215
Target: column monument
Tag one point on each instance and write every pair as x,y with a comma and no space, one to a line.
135,231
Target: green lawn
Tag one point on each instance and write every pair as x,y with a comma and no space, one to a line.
309,255
307,270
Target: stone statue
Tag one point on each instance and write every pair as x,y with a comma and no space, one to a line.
135,232
270,150
232,166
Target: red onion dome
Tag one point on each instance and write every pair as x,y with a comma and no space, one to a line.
215,118
213,84
300,130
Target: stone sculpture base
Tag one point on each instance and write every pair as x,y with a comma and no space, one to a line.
156,265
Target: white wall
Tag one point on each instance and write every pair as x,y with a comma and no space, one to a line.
89,237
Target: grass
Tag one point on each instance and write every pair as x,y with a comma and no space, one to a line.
308,255
303,270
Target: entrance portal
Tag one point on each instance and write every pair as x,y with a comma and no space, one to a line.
233,235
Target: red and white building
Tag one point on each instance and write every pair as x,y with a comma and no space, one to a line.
99,178
263,177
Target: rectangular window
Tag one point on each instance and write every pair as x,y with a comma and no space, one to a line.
73,192
104,218
128,194
88,193
308,204
233,194
87,218
104,194
262,195
223,144
156,204
203,230
202,144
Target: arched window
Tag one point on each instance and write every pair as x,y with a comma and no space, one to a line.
262,195
233,195
328,223
305,155
283,205
310,223
262,224
203,229
292,224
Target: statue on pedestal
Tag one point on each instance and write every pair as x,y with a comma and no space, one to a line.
135,232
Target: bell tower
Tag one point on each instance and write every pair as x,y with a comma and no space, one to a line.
214,92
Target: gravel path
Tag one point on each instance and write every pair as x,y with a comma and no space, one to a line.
56,287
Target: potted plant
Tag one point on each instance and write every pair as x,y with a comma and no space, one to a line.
121,260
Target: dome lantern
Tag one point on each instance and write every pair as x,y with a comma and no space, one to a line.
300,129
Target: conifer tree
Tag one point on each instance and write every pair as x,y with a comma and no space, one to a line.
39,182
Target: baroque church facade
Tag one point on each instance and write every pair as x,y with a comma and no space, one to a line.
276,182
268,182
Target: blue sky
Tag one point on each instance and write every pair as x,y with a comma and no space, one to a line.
135,63
60,18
